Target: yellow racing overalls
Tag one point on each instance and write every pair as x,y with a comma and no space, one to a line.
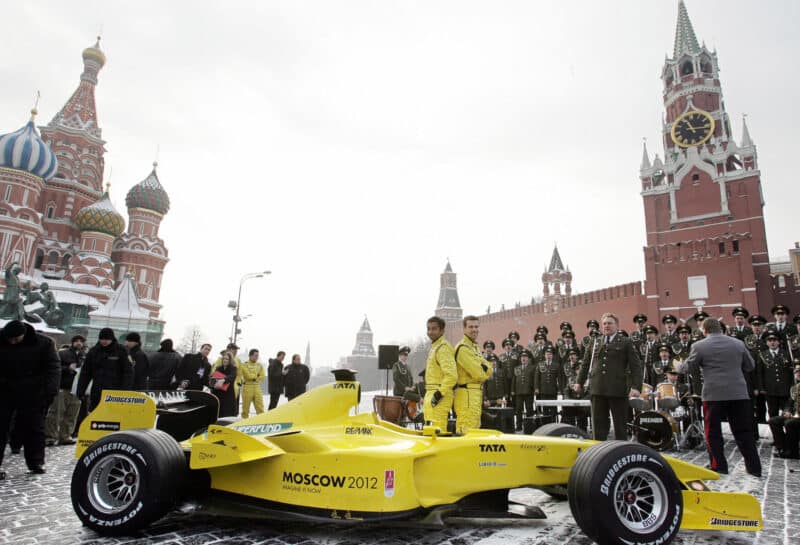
440,376
472,370
250,375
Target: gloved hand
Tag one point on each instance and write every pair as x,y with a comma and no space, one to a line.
437,397
484,367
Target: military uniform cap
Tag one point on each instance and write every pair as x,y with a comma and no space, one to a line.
405,350
669,318
549,348
507,342
565,325
568,334
671,369
683,327
779,308
639,318
651,329
542,329
702,315
772,334
740,311
625,333
664,346
489,344
756,319
514,335
539,335
796,319
526,352
572,351
592,323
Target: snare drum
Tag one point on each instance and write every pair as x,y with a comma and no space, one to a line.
667,396
389,408
656,429
644,402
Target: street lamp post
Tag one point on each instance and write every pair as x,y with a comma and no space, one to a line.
236,317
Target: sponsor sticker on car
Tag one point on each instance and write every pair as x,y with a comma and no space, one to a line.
388,483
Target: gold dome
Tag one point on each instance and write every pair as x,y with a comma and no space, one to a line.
95,53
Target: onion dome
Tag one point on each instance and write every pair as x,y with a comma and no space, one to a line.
149,194
95,53
100,216
25,150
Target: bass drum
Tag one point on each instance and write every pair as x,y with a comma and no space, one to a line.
656,429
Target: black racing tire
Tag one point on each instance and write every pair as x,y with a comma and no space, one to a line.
127,480
622,492
554,429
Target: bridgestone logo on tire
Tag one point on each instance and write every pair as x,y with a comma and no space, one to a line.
617,467
109,447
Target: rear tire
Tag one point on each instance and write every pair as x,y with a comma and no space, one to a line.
127,480
621,492
554,429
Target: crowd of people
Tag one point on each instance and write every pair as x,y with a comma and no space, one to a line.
743,373
49,392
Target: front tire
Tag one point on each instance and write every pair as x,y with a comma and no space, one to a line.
127,480
621,492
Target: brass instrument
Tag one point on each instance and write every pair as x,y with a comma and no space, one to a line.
591,364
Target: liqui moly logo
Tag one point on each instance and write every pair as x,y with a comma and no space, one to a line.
388,483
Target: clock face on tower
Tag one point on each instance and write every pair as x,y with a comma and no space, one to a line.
693,128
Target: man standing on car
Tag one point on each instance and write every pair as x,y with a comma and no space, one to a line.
724,361
64,410
615,376
275,379
29,378
440,376
472,371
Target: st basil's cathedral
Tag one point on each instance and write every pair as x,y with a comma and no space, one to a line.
60,228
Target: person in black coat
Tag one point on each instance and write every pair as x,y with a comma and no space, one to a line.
275,379
193,370
295,378
30,373
163,365
139,360
223,385
107,367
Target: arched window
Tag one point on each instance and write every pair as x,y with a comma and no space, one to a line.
37,264
52,258
51,209
705,65
687,68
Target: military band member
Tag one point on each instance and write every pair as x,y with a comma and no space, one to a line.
740,329
538,346
638,334
697,332
548,379
786,427
670,324
575,416
781,325
522,387
656,373
593,327
774,374
517,347
563,327
567,343
648,349
755,343
401,375
616,375
496,387
508,362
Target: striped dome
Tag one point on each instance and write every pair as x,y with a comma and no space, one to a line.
100,216
149,194
25,150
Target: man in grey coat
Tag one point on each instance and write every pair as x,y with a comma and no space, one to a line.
724,362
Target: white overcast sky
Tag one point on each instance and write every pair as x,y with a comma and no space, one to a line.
352,147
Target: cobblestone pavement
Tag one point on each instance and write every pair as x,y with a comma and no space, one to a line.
36,509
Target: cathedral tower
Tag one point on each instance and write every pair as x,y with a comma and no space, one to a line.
706,241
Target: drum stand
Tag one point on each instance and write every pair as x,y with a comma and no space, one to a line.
694,434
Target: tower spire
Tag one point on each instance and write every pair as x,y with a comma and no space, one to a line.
555,261
645,157
685,38
746,140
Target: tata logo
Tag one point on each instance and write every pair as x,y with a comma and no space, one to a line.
344,385
492,447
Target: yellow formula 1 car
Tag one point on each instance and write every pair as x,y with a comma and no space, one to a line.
141,453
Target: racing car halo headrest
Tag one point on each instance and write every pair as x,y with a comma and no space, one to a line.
344,375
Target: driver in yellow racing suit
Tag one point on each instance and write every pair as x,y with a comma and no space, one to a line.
472,372
440,376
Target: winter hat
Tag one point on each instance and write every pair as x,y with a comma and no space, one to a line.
78,338
133,336
14,328
107,333
166,345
